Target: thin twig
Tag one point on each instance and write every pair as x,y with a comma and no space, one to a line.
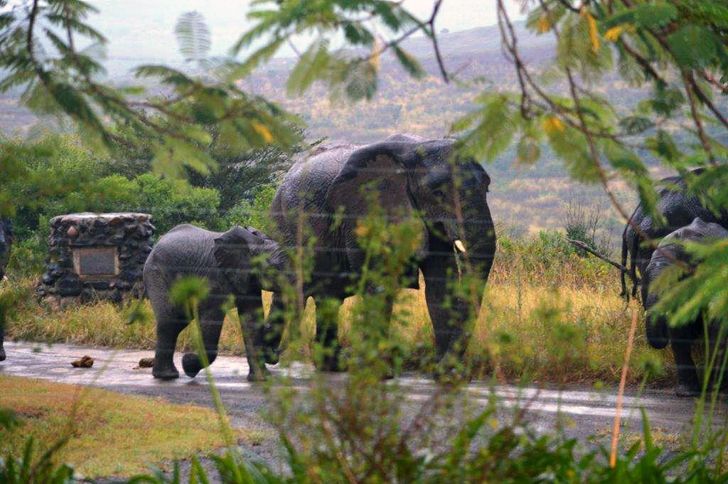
583,246
435,44
702,136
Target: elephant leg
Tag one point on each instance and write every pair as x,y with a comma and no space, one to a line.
327,318
718,340
377,330
211,319
2,339
268,336
250,312
170,323
681,341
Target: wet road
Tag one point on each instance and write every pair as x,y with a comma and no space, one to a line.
588,412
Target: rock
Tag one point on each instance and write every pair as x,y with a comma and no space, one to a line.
146,363
85,362
70,285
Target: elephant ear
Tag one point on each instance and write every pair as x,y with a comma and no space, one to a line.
376,173
233,256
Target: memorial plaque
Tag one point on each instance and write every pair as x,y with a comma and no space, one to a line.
96,262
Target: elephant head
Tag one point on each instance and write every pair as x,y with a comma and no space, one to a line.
426,181
242,252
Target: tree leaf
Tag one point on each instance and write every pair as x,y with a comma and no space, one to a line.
411,65
635,124
313,65
693,46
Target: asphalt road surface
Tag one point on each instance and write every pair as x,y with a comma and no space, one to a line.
589,412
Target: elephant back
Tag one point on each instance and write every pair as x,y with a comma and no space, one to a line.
302,193
186,249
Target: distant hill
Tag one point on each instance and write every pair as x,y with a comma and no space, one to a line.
525,198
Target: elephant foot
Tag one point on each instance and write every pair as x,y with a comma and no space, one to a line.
271,356
165,372
257,376
447,373
687,390
331,367
329,359
191,364
2,354
331,364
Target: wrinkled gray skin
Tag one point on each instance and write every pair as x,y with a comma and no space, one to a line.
659,333
239,262
679,209
6,240
414,180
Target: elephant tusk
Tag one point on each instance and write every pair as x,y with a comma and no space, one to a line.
460,246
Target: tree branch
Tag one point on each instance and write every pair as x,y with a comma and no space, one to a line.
581,245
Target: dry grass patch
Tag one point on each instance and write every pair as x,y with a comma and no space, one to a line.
109,433
548,315
100,324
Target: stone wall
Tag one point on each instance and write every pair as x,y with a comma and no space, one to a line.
96,256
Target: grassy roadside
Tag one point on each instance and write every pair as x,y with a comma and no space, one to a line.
109,434
549,315
540,333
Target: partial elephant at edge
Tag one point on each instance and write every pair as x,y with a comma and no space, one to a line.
6,241
660,333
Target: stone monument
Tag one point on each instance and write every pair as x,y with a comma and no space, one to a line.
96,256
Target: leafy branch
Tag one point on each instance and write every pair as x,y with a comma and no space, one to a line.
59,79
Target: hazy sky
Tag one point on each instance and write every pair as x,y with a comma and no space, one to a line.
144,29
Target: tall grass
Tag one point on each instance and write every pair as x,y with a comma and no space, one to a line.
549,315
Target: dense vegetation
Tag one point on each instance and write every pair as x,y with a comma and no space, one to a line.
60,175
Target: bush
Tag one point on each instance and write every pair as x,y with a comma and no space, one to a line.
253,212
59,176
173,202
549,260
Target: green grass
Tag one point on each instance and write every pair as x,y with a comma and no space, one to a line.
109,433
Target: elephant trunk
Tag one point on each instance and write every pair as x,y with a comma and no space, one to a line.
478,248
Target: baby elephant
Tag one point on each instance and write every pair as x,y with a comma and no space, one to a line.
239,262
659,333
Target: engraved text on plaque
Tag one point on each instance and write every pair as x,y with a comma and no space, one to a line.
96,262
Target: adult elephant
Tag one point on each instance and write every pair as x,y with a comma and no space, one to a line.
678,206
6,240
239,262
323,196
669,252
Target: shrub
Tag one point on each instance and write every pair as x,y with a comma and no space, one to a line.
173,202
253,212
